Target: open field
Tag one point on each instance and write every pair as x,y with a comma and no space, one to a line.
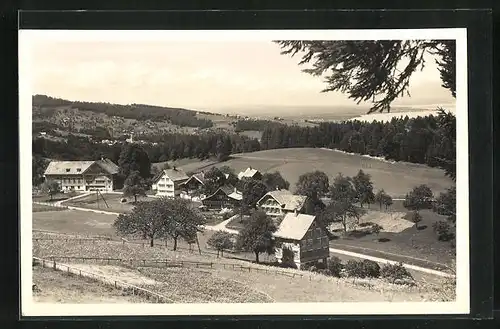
42,207
107,202
395,178
225,285
59,287
74,221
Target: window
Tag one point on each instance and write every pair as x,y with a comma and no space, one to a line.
78,187
78,169
68,169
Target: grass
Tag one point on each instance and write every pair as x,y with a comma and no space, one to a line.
396,179
61,287
40,208
225,285
74,221
111,199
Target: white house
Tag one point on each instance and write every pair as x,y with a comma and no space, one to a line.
167,182
280,202
83,175
250,173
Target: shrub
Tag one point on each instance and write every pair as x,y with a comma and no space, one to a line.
376,229
371,268
355,269
396,273
443,230
362,269
334,266
288,257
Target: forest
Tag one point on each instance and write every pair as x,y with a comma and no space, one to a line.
169,147
258,125
427,140
176,116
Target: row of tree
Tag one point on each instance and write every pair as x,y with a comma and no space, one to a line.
167,147
176,116
428,140
255,124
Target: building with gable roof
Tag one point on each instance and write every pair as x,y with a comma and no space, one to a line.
226,196
250,173
168,182
83,175
301,235
281,202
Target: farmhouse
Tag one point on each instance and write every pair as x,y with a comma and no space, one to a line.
192,187
167,182
83,175
250,173
225,197
301,235
280,202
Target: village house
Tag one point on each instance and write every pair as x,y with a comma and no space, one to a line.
192,188
83,175
250,173
168,182
302,235
281,202
226,196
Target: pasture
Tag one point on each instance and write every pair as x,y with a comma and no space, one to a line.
107,202
395,178
61,287
223,284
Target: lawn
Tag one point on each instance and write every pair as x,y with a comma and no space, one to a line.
61,287
107,202
74,221
395,178
39,208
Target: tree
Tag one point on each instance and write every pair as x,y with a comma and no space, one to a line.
313,184
383,198
257,235
160,218
364,188
232,178
134,158
214,178
419,198
183,220
146,221
343,207
275,181
252,190
373,70
416,218
51,187
134,185
220,241
39,165
223,148
446,204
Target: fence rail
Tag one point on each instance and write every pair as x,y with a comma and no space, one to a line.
158,298
186,264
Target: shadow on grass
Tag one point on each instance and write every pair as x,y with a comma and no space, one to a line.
383,240
357,234
423,227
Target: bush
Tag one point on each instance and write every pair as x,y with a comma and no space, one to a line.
288,257
396,273
443,230
372,269
334,266
362,269
355,269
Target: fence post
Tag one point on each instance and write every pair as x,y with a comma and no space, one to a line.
248,268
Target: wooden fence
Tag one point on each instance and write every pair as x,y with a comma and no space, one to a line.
190,264
103,279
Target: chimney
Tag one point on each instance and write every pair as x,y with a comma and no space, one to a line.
277,188
235,190
175,168
295,211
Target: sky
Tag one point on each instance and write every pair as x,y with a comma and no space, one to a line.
215,76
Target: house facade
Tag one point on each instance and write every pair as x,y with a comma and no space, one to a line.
250,173
83,176
168,182
302,235
281,202
192,187
225,197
